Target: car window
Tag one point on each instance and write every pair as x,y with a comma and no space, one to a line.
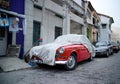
100,44
114,43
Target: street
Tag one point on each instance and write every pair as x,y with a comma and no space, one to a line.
101,70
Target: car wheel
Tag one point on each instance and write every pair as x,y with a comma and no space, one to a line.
107,53
111,52
116,51
91,58
27,58
71,63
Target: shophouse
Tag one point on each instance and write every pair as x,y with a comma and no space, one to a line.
105,27
92,20
11,25
48,19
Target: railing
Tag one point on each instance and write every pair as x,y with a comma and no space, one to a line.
77,7
77,18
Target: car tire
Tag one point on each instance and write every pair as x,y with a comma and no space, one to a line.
71,64
91,58
111,52
107,53
27,58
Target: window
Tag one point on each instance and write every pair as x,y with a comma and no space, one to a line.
104,26
36,31
58,31
94,21
82,2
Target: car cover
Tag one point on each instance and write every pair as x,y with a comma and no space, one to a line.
47,51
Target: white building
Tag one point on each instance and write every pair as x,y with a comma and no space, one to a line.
115,34
48,19
105,27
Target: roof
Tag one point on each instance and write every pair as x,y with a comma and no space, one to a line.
106,16
89,5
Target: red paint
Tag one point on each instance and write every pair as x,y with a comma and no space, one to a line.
81,52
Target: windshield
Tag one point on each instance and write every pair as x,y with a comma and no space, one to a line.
114,43
101,44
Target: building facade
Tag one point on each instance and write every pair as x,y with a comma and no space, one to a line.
105,27
115,34
11,25
48,19
92,20
45,20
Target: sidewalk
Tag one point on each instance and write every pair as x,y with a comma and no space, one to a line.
12,63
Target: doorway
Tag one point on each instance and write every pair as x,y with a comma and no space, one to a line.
3,41
58,31
36,31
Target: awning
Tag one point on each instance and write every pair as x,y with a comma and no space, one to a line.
12,13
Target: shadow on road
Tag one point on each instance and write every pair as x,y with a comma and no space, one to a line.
56,68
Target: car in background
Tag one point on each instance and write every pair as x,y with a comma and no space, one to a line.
116,47
118,44
103,48
67,50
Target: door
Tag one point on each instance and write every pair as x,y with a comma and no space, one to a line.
36,32
3,41
58,31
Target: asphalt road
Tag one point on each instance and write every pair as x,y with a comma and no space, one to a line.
101,70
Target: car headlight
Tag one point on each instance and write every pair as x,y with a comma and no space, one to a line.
61,50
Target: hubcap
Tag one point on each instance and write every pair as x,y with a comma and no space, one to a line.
71,62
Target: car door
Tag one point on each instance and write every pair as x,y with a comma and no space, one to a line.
83,53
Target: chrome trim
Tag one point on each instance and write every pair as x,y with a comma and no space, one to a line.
60,62
37,61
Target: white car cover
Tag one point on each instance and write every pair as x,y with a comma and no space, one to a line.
47,52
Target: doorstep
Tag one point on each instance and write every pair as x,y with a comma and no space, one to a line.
12,63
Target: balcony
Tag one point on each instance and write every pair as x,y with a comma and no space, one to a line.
51,6
76,7
77,18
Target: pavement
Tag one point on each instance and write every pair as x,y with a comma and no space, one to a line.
12,64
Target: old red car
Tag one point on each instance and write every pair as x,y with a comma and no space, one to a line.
66,49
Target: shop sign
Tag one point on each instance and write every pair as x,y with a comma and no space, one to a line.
4,22
13,24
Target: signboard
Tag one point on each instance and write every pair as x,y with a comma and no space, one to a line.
13,50
13,24
4,22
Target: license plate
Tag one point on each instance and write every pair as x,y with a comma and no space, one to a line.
40,61
37,61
